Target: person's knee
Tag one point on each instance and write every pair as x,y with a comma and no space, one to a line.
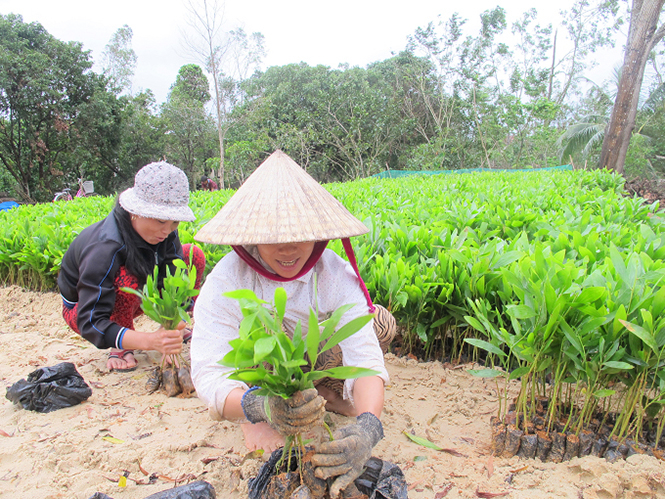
385,327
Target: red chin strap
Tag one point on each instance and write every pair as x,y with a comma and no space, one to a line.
319,247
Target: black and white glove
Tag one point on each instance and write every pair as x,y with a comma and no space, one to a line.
299,413
346,455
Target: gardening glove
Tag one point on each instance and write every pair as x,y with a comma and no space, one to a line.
299,413
346,455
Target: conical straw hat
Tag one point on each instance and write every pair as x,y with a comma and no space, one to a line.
280,203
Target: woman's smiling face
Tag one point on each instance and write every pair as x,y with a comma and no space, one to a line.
286,259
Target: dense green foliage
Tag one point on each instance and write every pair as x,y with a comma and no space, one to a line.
555,275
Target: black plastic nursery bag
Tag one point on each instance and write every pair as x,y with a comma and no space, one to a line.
380,480
50,388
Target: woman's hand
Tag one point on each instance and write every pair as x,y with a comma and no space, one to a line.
164,341
167,341
345,456
299,413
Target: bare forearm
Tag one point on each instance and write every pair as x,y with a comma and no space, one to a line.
368,395
164,341
233,406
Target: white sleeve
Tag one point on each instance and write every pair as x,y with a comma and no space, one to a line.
339,286
216,322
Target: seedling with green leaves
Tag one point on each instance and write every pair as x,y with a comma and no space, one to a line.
168,307
265,355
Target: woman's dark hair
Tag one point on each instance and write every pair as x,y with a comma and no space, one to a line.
138,263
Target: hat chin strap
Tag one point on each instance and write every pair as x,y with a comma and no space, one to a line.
319,247
346,242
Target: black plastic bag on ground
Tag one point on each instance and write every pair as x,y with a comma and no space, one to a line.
194,490
50,388
380,480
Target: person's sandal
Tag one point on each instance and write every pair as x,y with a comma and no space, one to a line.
186,335
121,355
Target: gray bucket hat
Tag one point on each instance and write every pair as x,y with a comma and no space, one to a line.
160,191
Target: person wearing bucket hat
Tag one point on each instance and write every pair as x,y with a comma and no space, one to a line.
121,251
278,224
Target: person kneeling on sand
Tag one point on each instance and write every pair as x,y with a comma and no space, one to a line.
278,224
121,251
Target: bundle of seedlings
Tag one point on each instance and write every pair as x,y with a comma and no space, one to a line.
168,307
265,356
591,382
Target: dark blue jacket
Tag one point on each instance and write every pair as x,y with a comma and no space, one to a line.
88,272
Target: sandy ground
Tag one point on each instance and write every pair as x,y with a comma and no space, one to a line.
77,451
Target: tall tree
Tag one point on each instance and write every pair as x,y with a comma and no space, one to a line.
589,27
187,122
643,35
43,85
226,57
119,59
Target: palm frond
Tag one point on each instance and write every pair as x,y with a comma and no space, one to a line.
656,99
580,138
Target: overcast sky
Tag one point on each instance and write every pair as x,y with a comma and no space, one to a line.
357,32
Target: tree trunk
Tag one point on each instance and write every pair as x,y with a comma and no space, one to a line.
642,37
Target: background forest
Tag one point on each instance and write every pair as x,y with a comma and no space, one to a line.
514,94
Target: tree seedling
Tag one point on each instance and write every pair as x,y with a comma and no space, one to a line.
168,307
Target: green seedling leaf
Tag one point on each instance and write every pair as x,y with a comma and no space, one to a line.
264,347
519,372
604,393
473,322
641,333
520,311
417,459
179,264
330,324
431,445
289,364
245,294
422,441
486,373
312,338
247,325
590,295
280,303
252,376
352,327
349,372
612,364
484,345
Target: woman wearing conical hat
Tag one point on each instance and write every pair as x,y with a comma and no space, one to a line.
279,223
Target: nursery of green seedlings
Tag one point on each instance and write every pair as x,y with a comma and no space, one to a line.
554,279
